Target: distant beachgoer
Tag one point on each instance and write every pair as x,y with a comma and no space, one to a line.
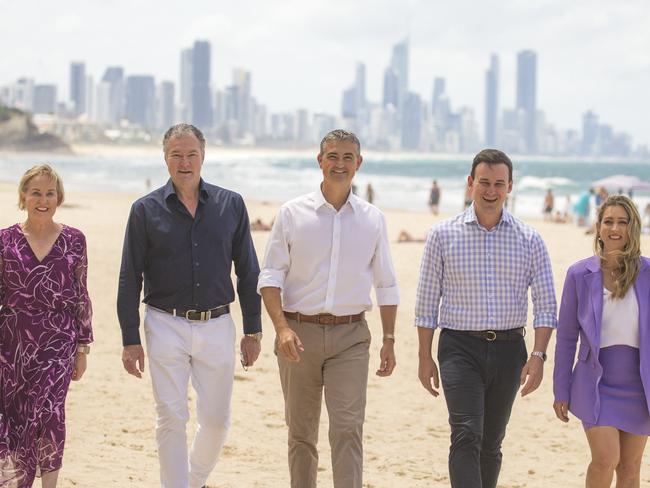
370,193
405,236
581,207
434,197
549,203
558,218
601,196
605,304
646,219
258,224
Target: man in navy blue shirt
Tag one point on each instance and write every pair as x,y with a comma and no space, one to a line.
182,239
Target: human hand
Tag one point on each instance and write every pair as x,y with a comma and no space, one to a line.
534,370
428,374
80,364
561,410
133,359
250,350
288,344
387,361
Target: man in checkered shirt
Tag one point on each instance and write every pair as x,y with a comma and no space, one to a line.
474,278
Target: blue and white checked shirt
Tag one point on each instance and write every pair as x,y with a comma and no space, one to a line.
475,279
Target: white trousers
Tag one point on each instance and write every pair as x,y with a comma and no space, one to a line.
205,352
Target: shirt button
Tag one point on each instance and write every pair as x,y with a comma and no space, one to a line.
196,264
198,284
196,244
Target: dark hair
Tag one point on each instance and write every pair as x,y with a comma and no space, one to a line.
180,130
492,156
340,135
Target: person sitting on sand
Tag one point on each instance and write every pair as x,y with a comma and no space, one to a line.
258,224
405,236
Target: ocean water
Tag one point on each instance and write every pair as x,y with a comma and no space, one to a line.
399,180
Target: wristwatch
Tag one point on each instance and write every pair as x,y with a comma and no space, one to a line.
257,336
83,348
539,354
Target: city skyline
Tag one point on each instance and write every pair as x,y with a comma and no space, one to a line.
305,56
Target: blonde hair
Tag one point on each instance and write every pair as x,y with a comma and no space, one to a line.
40,170
628,258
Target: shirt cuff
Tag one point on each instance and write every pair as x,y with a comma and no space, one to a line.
252,324
387,296
545,320
131,336
270,277
426,322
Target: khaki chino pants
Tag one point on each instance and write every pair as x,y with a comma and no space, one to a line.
335,359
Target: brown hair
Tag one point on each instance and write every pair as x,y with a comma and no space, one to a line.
492,156
180,130
628,258
40,170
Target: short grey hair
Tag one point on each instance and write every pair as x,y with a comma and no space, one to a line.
180,130
340,135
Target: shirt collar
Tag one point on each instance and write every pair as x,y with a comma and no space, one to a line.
170,190
319,200
470,216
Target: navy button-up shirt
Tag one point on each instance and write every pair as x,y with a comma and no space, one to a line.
186,261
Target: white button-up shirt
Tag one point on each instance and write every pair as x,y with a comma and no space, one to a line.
326,261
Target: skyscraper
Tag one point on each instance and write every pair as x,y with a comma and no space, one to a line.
390,88
78,87
186,85
399,61
527,96
141,100
491,101
201,92
166,113
114,91
44,99
438,93
354,97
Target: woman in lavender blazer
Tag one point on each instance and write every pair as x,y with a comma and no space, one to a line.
606,303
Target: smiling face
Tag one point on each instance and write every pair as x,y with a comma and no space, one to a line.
184,158
613,228
40,198
339,161
489,188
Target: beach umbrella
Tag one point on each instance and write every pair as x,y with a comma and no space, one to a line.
623,182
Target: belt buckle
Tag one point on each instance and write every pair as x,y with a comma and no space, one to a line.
490,336
325,319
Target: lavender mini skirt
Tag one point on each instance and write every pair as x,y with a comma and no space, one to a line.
622,398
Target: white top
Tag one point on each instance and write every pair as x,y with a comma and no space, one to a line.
326,261
620,320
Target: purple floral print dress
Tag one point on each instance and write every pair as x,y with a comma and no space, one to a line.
45,312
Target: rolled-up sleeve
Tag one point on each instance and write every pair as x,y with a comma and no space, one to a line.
384,280
429,292
277,259
542,287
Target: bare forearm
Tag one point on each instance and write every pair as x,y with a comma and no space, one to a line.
272,299
542,337
388,314
425,340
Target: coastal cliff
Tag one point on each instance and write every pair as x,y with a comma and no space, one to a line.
18,133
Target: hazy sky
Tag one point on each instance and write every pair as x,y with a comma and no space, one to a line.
592,54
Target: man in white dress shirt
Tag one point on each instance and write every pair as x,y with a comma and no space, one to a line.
325,251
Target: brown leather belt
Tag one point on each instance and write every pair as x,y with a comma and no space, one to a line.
495,335
196,315
325,318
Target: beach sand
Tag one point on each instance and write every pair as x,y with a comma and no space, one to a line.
110,415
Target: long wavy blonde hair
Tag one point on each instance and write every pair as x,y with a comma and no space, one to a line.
628,258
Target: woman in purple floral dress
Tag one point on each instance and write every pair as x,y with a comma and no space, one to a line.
45,329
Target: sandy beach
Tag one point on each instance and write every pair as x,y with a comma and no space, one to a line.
110,415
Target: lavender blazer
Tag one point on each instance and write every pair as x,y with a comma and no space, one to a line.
581,312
